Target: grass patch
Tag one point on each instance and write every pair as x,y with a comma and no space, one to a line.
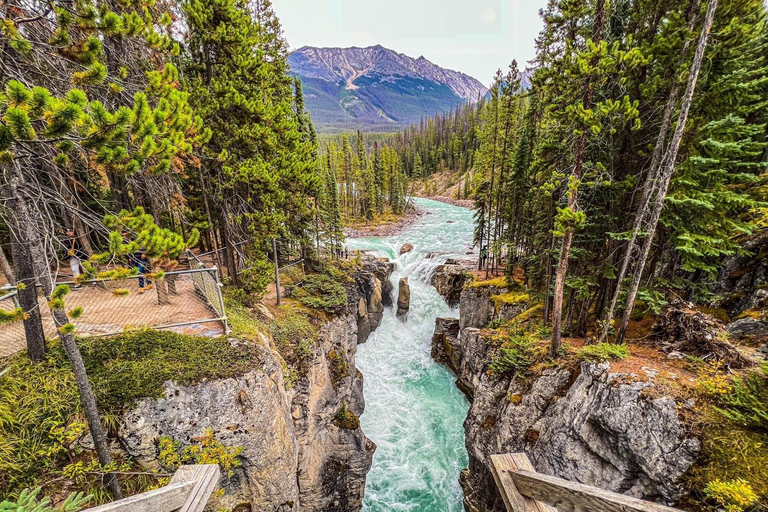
603,352
41,419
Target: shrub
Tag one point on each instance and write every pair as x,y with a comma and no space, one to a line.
603,352
28,502
208,450
515,355
320,291
746,402
734,495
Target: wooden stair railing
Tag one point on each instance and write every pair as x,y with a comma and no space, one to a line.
188,491
525,490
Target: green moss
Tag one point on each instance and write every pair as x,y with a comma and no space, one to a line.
346,419
752,313
339,367
510,298
603,352
499,282
39,403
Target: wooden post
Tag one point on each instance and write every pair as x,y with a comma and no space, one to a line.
502,467
277,270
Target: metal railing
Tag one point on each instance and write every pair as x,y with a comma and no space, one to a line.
185,301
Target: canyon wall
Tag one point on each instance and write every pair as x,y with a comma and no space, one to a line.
303,448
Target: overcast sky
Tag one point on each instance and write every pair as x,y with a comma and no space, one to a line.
476,37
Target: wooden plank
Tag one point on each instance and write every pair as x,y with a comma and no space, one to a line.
205,477
166,499
502,467
570,496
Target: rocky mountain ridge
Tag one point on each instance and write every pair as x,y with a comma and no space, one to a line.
376,87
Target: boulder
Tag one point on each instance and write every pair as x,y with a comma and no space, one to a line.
406,248
403,297
749,328
449,280
445,343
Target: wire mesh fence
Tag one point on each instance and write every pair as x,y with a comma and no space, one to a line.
186,301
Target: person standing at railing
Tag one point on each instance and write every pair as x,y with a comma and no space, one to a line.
75,255
141,263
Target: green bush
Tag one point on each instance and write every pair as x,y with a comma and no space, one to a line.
603,352
320,291
746,403
28,502
515,355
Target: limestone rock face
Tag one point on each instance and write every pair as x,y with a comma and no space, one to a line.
371,291
596,427
477,309
403,297
296,455
252,411
446,347
589,425
449,280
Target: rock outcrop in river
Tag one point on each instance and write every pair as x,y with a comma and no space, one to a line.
587,424
303,449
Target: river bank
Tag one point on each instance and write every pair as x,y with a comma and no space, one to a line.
386,225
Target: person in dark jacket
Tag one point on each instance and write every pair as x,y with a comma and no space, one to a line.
75,255
141,262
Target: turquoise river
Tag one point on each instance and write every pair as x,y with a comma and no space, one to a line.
414,412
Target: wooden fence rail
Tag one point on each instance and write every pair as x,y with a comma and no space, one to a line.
188,491
525,490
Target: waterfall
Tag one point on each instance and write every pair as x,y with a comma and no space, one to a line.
414,412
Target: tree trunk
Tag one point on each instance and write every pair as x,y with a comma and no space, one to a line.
277,271
557,306
650,182
6,267
28,225
573,197
668,168
161,285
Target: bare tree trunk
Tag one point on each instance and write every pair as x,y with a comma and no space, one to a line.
277,270
6,267
650,181
28,225
668,168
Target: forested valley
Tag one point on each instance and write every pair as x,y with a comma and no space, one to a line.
620,175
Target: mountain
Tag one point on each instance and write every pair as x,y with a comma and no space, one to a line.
376,88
